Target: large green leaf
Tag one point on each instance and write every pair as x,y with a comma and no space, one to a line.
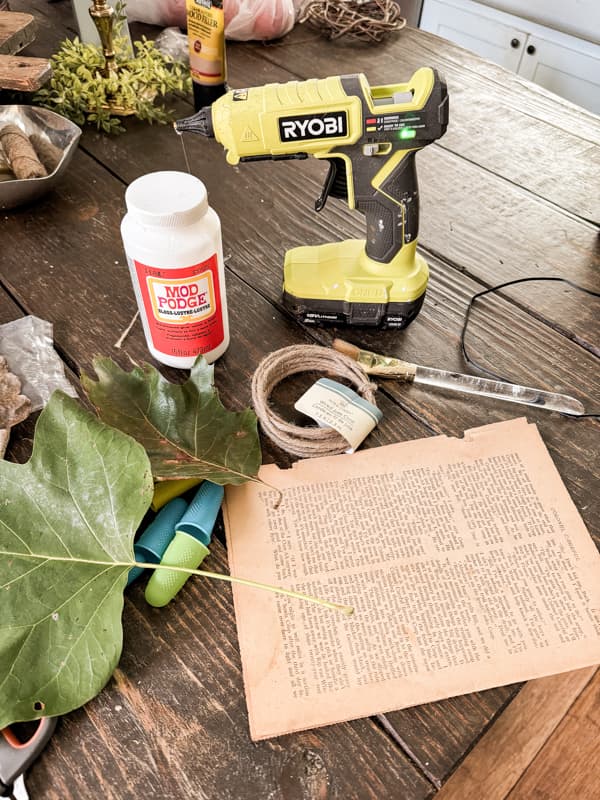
184,428
67,521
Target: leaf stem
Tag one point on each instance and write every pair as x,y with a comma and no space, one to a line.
347,610
219,576
277,502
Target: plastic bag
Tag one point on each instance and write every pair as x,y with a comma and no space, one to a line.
173,43
258,19
244,19
157,12
26,343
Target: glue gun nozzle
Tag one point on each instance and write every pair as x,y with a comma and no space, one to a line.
198,123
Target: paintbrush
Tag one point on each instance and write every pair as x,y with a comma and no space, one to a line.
388,367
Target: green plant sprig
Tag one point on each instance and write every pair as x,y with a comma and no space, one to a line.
79,91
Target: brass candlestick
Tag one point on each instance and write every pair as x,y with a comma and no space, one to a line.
103,17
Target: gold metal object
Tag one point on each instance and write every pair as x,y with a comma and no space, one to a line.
377,364
103,16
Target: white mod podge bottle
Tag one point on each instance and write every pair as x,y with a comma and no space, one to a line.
172,241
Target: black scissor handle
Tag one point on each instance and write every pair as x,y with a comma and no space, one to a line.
17,756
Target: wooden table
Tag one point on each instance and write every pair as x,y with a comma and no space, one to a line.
510,191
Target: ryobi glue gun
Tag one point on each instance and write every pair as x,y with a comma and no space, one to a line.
370,136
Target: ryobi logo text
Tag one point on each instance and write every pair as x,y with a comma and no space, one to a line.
182,301
313,126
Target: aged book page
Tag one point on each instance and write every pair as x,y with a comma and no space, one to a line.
466,562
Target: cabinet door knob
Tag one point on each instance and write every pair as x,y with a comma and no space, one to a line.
515,43
531,49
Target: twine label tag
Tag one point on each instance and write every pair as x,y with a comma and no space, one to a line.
333,405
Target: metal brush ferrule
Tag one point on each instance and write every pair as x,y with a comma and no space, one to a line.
386,366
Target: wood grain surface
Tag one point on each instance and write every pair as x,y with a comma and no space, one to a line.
172,723
495,205
508,749
498,120
567,766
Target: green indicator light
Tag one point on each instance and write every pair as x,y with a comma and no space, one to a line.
408,133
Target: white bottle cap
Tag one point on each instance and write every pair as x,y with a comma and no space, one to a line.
167,199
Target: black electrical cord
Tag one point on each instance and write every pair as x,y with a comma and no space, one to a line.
492,290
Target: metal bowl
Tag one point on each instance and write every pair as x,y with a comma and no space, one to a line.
61,132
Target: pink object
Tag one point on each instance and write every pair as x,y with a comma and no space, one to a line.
244,19
258,19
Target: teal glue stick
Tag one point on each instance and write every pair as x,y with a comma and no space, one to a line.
152,544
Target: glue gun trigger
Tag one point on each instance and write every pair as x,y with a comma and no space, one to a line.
322,198
335,183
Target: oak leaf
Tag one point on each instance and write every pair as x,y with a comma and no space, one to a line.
184,428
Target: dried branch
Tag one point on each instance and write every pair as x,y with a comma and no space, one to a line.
368,20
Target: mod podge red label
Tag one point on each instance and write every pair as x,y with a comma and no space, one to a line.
183,307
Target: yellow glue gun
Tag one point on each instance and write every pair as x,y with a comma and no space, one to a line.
370,136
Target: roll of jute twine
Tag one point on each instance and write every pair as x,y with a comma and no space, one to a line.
306,442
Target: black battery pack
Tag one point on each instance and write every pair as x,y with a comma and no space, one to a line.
367,315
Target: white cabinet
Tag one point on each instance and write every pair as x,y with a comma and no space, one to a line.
472,26
564,64
563,69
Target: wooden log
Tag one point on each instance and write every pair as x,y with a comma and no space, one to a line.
23,74
17,30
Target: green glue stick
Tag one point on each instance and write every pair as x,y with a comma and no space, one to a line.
189,546
165,491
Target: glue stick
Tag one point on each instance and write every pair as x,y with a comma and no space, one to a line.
172,241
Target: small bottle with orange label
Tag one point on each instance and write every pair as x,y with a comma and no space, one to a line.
172,241
206,40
